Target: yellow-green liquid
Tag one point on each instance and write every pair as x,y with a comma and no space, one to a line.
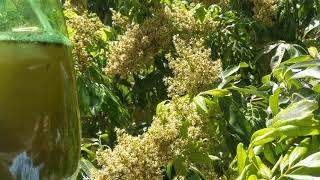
39,119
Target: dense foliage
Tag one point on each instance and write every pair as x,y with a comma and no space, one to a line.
178,89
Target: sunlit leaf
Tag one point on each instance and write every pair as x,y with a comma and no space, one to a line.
312,161
317,88
274,101
262,168
298,59
241,157
299,151
264,136
313,51
308,73
295,113
315,23
247,171
200,102
293,131
303,173
284,163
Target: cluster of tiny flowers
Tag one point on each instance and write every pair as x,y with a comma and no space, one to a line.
265,11
141,157
119,20
183,20
193,68
138,46
133,158
75,5
83,33
221,3
180,178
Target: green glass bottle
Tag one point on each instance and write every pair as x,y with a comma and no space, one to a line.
39,116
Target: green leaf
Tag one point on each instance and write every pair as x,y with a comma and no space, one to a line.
180,167
277,58
284,75
197,172
229,71
262,168
208,102
241,157
169,170
102,34
263,136
308,73
267,49
69,14
89,152
238,121
216,93
161,109
201,104
249,91
284,163
315,23
104,136
316,88
200,12
274,101
252,177
298,59
299,151
294,50
314,146
312,161
199,157
269,153
304,173
84,97
247,171
266,79
257,150
306,64
214,158
168,2
300,122
228,80
87,167
275,167
295,113
294,131
313,51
